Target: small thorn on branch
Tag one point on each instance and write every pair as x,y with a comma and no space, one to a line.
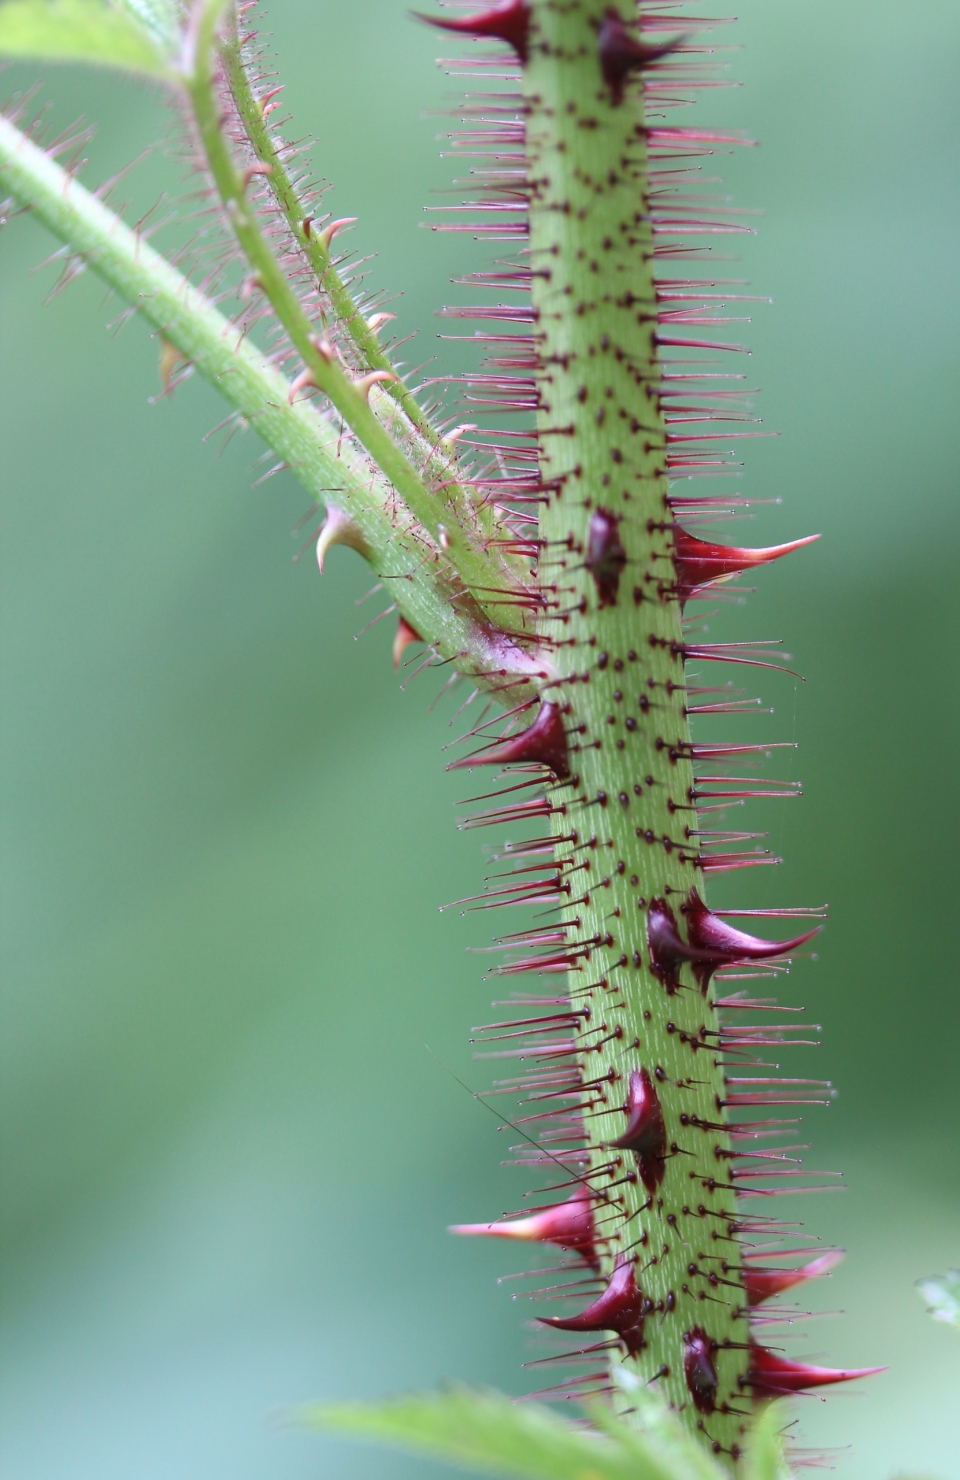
329,232
339,529
365,383
405,636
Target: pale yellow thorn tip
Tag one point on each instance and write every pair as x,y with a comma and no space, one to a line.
330,231
304,379
338,529
519,1230
365,383
452,437
171,359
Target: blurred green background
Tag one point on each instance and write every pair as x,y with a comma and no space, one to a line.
228,1159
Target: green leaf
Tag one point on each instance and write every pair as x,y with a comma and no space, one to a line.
160,18
765,1459
486,1431
942,1294
86,31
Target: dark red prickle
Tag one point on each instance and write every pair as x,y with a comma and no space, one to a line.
509,22
621,53
698,562
771,1377
544,742
760,1284
621,1308
568,1224
699,1370
710,942
606,556
668,949
714,943
645,1134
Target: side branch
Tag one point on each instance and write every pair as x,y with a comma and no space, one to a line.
350,398
409,427
413,569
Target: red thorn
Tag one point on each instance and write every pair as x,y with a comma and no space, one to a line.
568,1224
699,1369
699,563
509,22
771,1376
606,556
621,1308
405,635
719,944
711,942
668,949
645,1134
760,1284
543,742
621,53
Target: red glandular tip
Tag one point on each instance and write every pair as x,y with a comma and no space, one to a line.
569,1224
405,635
771,1376
761,1284
509,22
543,743
621,1308
622,54
699,563
645,1134
699,1369
710,942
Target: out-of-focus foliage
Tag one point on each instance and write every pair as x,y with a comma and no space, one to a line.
80,31
942,1294
488,1432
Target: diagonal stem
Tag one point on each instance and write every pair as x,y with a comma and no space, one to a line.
348,397
424,589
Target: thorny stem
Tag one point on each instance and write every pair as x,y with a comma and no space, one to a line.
350,398
603,448
324,463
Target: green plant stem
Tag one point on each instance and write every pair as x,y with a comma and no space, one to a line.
349,398
327,466
622,680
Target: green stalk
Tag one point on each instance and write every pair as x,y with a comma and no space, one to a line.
425,590
434,510
621,670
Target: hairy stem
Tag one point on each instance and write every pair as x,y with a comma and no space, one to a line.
416,575
608,530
